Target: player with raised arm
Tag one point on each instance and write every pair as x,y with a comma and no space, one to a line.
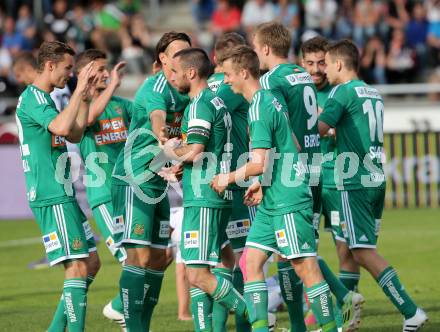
313,60
355,110
294,87
206,214
139,193
283,223
104,138
241,217
43,132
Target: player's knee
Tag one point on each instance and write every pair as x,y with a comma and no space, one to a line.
93,264
76,269
254,268
195,277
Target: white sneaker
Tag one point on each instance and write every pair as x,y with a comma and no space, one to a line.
351,311
115,316
415,322
272,321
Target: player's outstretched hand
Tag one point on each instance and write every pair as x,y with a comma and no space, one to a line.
173,173
169,146
117,73
85,77
253,195
219,183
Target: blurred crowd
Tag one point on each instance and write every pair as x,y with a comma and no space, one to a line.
399,39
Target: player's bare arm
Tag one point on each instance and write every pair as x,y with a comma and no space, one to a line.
99,103
158,125
64,123
323,128
254,167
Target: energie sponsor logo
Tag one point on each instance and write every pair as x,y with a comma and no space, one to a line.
112,131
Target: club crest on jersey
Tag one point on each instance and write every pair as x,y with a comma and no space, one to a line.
139,229
77,244
51,242
281,238
238,228
191,239
118,110
32,194
58,141
118,224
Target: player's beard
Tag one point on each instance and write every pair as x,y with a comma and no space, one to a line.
184,88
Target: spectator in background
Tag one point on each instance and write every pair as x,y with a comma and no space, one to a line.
433,10
58,22
13,41
130,7
26,25
397,14
344,21
202,11
226,18
256,12
366,19
320,16
401,62
137,46
373,61
417,33
82,26
109,23
287,13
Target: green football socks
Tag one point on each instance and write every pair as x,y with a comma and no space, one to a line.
75,302
220,312
255,294
229,297
59,321
132,294
393,289
322,306
241,323
153,285
336,286
350,279
292,292
201,309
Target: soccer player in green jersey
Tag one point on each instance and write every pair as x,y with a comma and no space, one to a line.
242,215
206,214
294,87
283,223
313,60
355,110
104,138
43,132
139,196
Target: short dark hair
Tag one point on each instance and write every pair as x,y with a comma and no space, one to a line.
314,45
276,36
52,51
346,51
25,57
195,58
244,57
167,39
87,56
225,43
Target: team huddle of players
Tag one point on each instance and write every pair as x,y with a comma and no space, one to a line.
260,158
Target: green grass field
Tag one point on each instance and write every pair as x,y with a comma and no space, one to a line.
410,239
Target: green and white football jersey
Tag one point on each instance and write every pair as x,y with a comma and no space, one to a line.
141,148
294,88
206,125
283,181
237,107
43,154
356,111
327,143
106,136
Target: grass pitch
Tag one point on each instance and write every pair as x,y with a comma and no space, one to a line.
410,240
